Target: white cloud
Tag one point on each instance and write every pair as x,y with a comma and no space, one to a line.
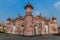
57,5
35,13
43,13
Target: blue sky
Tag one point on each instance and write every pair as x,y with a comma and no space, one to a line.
11,8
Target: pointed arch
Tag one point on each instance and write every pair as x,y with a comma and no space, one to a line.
46,28
14,28
36,29
21,31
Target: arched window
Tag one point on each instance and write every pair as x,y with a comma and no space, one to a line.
40,25
36,27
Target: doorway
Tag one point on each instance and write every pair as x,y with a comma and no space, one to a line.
36,27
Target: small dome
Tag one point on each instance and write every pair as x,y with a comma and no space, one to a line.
8,19
28,5
53,18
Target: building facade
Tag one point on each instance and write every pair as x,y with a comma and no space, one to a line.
1,27
30,25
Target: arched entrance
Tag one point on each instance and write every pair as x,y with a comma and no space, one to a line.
46,28
22,30
36,27
14,28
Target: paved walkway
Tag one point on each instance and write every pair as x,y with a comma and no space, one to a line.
14,37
